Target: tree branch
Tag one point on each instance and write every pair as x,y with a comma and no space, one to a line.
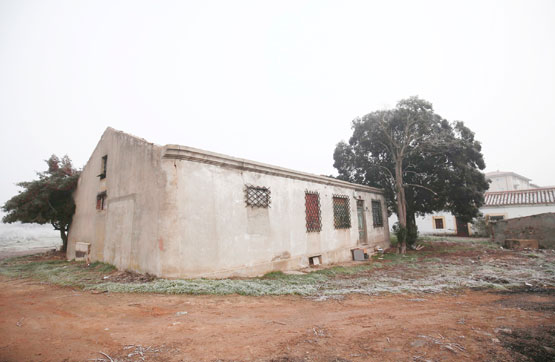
424,187
388,171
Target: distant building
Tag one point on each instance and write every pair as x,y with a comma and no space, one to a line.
510,195
177,211
508,181
511,204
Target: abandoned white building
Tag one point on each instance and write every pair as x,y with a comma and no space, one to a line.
177,211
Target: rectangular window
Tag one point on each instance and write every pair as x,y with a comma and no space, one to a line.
341,212
103,167
312,207
494,217
377,216
257,196
101,201
439,222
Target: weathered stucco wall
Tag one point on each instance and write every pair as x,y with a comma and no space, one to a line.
180,212
236,239
539,227
123,232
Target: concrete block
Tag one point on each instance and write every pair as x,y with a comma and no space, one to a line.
82,250
358,255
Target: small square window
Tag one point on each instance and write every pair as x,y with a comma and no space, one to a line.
312,209
101,201
377,216
439,223
341,212
257,196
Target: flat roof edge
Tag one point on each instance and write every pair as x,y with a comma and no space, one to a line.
193,154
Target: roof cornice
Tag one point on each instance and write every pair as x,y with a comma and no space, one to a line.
179,152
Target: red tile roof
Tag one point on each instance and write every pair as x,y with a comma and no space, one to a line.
521,197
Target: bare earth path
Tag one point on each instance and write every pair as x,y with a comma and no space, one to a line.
40,322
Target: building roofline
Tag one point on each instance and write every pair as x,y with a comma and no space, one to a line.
504,173
197,155
542,196
519,191
172,151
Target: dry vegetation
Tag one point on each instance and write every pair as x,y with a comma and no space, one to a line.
444,264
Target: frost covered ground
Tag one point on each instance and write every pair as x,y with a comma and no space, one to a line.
18,237
445,264
441,266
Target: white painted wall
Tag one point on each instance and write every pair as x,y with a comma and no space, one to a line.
518,211
426,226
426,223
507,182
175,211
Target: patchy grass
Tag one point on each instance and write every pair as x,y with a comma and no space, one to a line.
393,240
59,272
445,264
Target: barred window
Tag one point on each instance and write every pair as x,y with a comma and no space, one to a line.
341,212
377,213
257,196
312,203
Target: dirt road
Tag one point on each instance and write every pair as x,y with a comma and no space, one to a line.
41,322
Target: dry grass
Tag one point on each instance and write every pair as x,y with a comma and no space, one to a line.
444,264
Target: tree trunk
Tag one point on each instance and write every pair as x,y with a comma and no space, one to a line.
63,235
412,229
401,206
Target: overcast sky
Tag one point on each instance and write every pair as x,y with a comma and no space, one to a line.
272,81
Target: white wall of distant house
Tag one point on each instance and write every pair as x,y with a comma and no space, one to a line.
426,224
510,212
508,183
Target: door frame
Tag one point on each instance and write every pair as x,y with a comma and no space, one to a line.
360,212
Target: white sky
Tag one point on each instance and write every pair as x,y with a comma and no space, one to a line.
272,81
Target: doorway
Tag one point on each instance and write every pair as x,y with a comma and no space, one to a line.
361,222
462,228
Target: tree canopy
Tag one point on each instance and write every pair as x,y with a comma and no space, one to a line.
48,199
422,161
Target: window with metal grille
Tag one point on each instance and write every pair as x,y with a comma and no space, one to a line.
312,207
101,201
377,213
341,212
257,196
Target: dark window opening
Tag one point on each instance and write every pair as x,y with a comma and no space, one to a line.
377,216
101,201
438,221
257,196
341,212
312,208
315,260
103,167
496,217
